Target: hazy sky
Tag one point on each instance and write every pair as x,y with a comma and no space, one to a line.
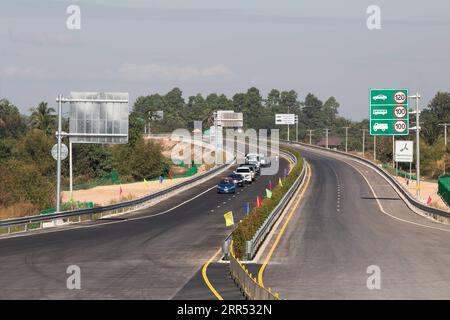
205,46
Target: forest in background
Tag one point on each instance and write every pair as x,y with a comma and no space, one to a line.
27,169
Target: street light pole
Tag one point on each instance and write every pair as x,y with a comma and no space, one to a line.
346,138
58,165
326,135
417,113
445,132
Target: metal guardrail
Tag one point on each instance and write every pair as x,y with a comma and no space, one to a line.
248,284
36,221
252,246
436,214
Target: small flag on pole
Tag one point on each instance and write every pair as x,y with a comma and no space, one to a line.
120,190
247,208
258,202
145,183
229,221
280,182
270,184
429,200
268,193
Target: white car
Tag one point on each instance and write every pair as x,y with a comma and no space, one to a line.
380,112
380,97
246,173
265,161
380,126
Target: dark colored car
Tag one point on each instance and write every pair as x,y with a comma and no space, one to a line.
238,179
226,185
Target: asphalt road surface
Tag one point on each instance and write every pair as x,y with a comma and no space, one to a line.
339,231
149,254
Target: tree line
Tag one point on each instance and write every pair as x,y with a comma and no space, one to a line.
27,169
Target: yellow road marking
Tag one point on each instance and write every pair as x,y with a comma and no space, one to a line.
272,249
205,266
205,277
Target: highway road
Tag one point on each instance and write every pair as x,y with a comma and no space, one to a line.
343,226
149,254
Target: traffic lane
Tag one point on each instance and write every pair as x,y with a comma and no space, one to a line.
325,253
142,259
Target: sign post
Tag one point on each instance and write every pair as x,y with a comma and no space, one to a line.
285,118
94,118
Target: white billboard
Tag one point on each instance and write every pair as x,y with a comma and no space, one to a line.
230,119
284,118
97,117
404,151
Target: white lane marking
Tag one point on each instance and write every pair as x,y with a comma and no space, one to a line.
385,212
110,222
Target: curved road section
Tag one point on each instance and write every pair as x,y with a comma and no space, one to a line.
152,253
353,237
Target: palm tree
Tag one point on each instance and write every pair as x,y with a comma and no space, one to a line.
42,117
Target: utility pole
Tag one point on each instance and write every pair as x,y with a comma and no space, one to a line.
310,135
417,128
346,137
288,128
326,135
445,132
364,141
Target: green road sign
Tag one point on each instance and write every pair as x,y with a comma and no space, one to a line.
389,112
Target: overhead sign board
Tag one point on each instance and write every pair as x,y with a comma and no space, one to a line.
284,118
97,117
389,112
404,151
230,119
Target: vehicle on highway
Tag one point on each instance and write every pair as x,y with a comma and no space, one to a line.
246,173
254,169
226,185
263,160
380,126
253,158
238,179
380,97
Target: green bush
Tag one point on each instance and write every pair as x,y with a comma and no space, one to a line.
250,224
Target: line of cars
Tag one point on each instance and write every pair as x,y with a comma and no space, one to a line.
245,173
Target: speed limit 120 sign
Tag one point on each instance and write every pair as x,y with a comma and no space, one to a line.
389,112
